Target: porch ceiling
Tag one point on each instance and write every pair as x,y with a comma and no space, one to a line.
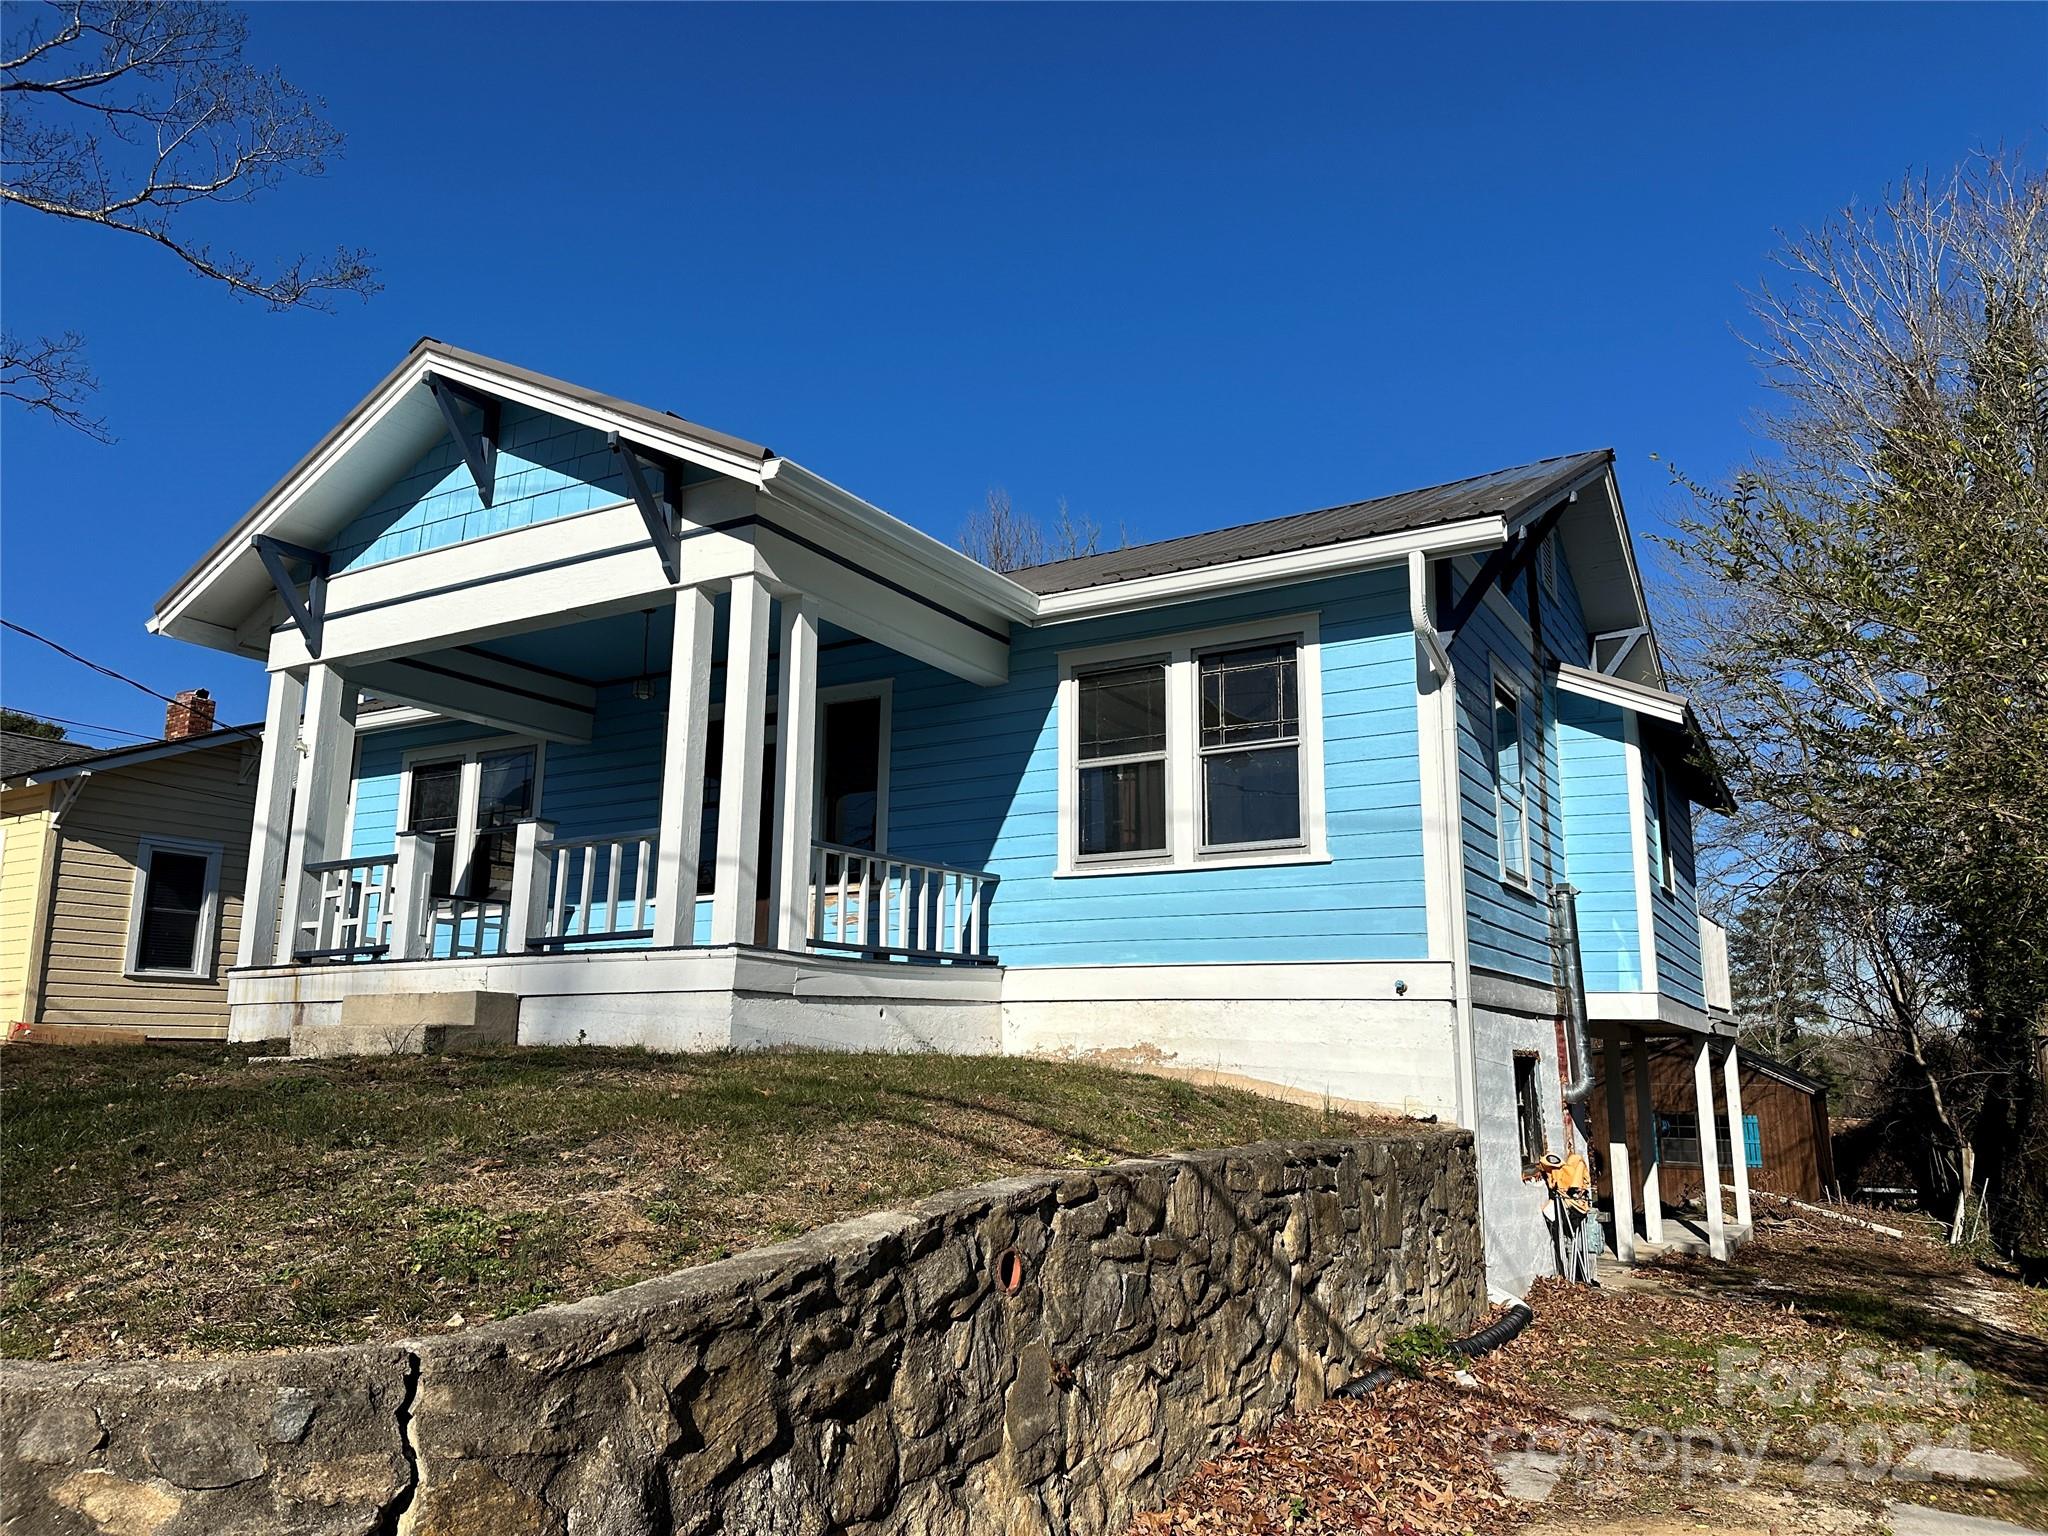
609,650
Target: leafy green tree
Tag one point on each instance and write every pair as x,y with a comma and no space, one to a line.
30,725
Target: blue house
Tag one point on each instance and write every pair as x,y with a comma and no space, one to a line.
609,727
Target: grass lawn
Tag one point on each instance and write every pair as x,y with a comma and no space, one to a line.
165,1200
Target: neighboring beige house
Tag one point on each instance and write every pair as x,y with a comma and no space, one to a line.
121,876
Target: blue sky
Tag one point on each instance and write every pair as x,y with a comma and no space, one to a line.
1181,266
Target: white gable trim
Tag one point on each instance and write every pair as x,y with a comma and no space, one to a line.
1637,698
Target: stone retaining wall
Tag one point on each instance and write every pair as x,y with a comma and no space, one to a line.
1051,1352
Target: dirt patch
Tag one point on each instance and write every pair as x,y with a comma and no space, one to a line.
1797,1390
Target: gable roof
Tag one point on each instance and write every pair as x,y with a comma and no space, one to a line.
21,753
33,768
1506,493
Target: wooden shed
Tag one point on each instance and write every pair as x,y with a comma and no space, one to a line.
1785,1124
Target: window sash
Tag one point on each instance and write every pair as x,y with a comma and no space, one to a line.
1510,788
171,930
169,916
1092,764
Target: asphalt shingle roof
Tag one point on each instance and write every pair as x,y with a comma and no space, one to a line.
21,753
1509,492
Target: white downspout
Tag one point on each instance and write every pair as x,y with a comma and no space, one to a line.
1451,831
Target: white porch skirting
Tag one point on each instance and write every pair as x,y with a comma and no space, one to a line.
665,1000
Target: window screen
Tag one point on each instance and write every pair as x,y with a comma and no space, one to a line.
173,904
851,770
504,798
1251,747
1122,800
435,810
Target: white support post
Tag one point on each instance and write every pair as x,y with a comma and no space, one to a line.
411,885
1710,1157
327,738
533,881
733,893
1738,1144
796,756
1646,1142
1618,1180
270,836
682,773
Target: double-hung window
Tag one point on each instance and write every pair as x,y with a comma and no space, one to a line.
1251,747
172,912
1199,749
1121,792
1510,786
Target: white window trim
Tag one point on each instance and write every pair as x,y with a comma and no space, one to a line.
469,752
209,908
883,688
1498,682
1180,653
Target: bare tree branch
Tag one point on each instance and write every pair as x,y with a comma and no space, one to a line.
50,375
134,115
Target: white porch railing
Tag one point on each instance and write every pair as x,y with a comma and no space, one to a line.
580,890
598,891
373,908
352,910
886,907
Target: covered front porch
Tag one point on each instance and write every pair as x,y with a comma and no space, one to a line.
611,784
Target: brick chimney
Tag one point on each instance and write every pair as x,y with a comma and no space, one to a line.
191,714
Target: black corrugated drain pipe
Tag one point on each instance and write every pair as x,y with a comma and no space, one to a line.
1485,1341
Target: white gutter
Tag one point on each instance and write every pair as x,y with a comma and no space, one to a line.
1450,789
1264,570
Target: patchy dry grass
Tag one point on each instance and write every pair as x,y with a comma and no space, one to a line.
1882,1344
180,1200
1870,1347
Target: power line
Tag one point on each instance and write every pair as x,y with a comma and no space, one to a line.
83,725
119,677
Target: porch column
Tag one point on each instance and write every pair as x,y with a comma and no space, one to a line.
739,781
1618,1179
326,740
682,772
277,771
1646,1142
1738,1144
796,757
1710,1158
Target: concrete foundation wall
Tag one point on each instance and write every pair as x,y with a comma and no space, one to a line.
1052,1352
1518,1241
1374,1034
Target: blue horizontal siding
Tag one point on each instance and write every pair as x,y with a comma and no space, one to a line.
547,468
1675,913
1599,841
1508,927
974,780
